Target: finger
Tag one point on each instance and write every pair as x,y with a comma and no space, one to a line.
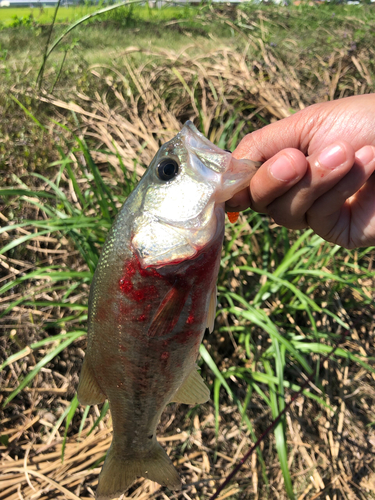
362,208
332,216
325,170
333,200
274,178
263,144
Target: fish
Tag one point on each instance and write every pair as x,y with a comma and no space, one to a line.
152,297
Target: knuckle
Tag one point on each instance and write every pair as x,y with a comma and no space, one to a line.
286,218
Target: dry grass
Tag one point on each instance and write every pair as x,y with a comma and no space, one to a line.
135,103
125,112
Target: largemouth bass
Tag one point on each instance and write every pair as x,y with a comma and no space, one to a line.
152,297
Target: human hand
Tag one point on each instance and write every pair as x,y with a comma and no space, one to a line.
317,171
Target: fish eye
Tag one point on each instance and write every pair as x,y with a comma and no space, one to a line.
167,169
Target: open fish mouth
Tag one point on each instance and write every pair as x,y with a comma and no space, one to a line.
197,144
234,174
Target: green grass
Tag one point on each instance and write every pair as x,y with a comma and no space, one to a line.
302,275
298,35
44,15
284,297
67,15
295,34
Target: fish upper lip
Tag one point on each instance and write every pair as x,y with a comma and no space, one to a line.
193,128
213,157
190,125
198,136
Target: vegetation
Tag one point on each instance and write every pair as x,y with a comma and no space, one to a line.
112,92
44,15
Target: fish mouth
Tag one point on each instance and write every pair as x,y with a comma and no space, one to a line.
198,145
234,174
197,139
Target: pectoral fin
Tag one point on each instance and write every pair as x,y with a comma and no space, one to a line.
169,311
212,310
89,392
193,390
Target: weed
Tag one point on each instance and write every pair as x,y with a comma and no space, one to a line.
284,297
24,22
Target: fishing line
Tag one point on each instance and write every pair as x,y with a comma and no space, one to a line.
275,422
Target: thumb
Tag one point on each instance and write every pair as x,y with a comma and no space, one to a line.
266,142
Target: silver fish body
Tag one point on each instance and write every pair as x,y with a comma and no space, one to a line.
152,297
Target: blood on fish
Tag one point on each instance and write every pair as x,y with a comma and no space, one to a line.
138,295
190,319
145,291
130,268
127,286
146,272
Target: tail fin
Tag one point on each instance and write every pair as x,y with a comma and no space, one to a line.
120,472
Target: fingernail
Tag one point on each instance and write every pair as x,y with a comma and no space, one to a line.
332,157
365,155
283,170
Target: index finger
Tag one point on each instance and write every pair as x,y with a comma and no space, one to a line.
273,179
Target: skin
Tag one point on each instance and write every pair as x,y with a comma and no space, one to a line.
318,171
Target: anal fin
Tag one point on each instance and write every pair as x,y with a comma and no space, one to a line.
89,392
193,390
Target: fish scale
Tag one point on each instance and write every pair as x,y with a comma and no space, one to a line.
152,297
